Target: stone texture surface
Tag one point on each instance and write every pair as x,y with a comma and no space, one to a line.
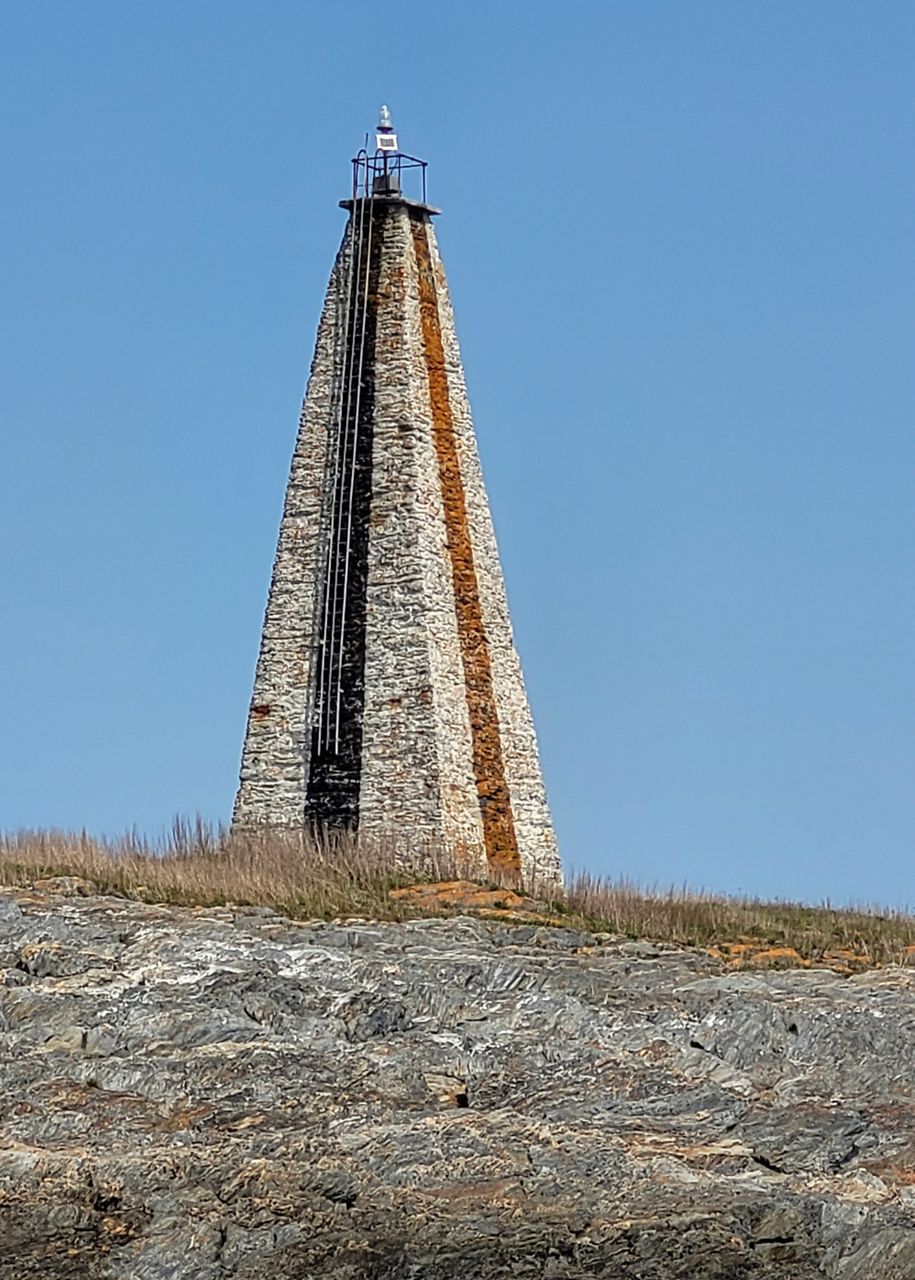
274,766
421,747
219,1093
521,760
416,769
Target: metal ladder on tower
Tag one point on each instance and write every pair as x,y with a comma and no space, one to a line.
329,684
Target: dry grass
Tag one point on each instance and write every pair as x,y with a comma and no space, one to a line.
201,866
197,865
749,926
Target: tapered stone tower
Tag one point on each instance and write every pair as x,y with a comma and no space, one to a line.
388,695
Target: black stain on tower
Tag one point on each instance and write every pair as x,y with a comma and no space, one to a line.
334,777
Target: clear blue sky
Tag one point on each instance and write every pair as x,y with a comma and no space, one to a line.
680,242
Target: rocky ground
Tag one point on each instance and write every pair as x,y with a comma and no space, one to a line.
193,1095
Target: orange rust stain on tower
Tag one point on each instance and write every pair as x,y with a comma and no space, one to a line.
488,765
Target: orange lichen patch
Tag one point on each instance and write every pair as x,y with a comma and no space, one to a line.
438,890
460,893
494,898
760,955
488,765
847,960
467,896
779,955
757,955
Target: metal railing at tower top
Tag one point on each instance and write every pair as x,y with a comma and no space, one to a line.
388,173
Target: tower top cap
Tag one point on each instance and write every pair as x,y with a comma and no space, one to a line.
378,173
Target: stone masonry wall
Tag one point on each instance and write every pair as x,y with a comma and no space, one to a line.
400,778
449,755
274,766
534,829
417,775
461,818
486,746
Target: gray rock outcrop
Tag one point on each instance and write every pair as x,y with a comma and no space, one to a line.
196,1095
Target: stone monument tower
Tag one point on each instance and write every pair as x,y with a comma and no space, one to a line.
388,695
